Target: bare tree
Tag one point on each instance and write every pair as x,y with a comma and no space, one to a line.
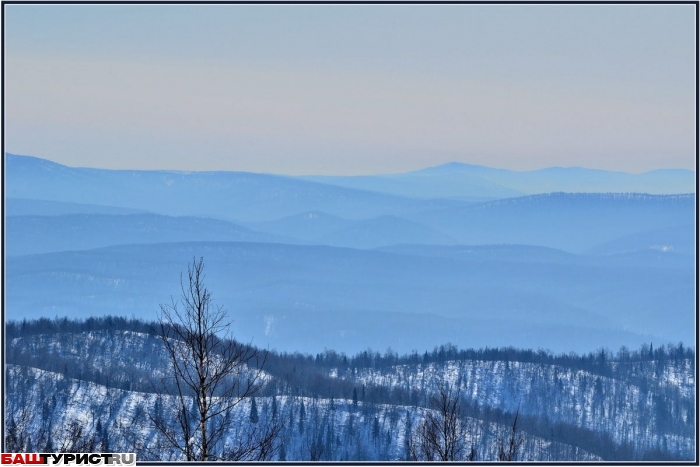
442,434
17,437
76,438
508,451
209,375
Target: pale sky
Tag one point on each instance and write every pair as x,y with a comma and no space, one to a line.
351,89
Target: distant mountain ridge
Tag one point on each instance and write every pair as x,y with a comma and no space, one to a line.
451,180
235,196
43,207
325,229
458,180
574,222
349,299
354,267
43,234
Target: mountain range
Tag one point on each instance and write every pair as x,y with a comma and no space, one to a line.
404,260
467,181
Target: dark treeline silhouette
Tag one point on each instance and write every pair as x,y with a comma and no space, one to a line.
307,375
596,362
592,361
26,328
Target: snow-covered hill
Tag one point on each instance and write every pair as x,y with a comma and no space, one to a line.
96,382
629,411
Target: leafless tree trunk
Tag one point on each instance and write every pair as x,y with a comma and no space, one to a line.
17,437
210,375
76,439
508,451
441,435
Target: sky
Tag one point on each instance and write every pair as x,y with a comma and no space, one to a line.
351,89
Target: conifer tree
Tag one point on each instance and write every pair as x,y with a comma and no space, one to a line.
302,416
253,411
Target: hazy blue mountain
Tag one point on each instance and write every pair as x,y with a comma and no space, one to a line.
651,257
44,207
503,252
384,230
677,239
457,180
579,179
573,222
325,229
43,234
447,181
647,258
308,225
238,196
310,297
533,292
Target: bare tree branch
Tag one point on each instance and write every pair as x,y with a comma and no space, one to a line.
210,375
442,434
508,451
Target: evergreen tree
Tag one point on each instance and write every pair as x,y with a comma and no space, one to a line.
158,409
329,442
302,416
354,397
104,442
407,437
253,411
12,439
274,407
49,444
375,428
104,439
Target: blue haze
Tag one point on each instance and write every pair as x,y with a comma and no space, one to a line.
310,264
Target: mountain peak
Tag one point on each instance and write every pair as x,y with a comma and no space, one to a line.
27,160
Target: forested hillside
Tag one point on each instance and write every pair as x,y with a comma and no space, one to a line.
97,384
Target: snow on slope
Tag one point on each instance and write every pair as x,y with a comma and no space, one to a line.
125,416
623,410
